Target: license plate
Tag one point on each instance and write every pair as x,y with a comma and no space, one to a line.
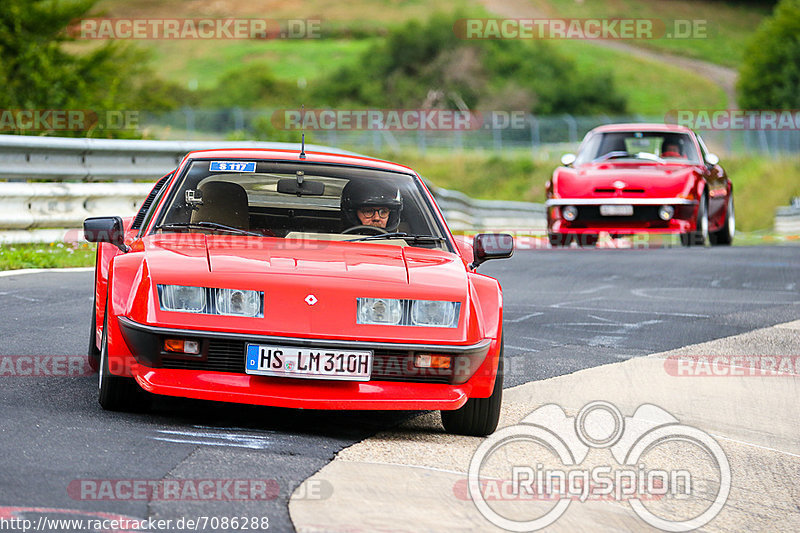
297,362
616,210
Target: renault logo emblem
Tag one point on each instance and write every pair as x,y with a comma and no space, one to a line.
311,299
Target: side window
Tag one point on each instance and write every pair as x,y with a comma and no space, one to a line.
145,213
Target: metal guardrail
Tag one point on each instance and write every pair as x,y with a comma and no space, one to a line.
787,219
46,212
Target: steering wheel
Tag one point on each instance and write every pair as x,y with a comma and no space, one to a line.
365,230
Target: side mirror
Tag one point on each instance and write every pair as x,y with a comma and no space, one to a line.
567,159
712,159
105,229
491,246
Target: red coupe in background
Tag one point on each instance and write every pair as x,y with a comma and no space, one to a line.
288,279
629,179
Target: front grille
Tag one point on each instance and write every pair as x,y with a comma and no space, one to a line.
224,355
641,213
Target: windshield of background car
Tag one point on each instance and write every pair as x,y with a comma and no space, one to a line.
672,147
298,201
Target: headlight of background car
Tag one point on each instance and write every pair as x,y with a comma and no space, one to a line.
428,313
211,301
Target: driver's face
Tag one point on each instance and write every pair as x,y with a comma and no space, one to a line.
371,216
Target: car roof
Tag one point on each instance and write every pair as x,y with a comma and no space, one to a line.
639,126
294,156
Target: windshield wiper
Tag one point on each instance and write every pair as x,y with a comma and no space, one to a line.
400,235
207,225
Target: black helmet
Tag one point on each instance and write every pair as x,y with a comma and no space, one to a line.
358,194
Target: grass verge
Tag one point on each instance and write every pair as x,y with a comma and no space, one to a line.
47,255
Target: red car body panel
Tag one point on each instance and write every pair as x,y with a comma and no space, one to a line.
638,183
287,271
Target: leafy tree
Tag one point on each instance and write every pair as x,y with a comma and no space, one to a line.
38,73
770,74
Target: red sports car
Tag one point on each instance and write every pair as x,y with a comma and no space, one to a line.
632,179
288,279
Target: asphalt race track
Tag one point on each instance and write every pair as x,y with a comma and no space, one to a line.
565,310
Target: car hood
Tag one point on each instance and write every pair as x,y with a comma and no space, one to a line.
310,287
641,179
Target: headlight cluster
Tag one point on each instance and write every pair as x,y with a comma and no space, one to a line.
392,312
211,301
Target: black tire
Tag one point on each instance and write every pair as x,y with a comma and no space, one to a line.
479,416
93,355
117,393
725,234
700,236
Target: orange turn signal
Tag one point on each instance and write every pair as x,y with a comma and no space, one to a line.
432,361
181,346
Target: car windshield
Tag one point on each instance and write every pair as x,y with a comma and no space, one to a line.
302,201
647,145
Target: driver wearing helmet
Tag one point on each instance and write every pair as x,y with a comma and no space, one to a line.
371,203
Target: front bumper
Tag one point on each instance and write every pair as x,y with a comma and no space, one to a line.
217,373
644,219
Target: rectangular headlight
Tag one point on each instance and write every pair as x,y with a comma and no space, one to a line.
211,301
182,298
393,312
380,311
434,313
239,302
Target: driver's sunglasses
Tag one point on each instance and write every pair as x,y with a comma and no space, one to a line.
369,212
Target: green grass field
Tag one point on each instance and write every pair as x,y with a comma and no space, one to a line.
49,255
204,64
729,24
651,87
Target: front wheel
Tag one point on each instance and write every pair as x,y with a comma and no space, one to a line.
728,230
93,354
698,237
479,416
116,393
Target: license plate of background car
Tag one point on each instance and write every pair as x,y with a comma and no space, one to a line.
297,362
616,210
